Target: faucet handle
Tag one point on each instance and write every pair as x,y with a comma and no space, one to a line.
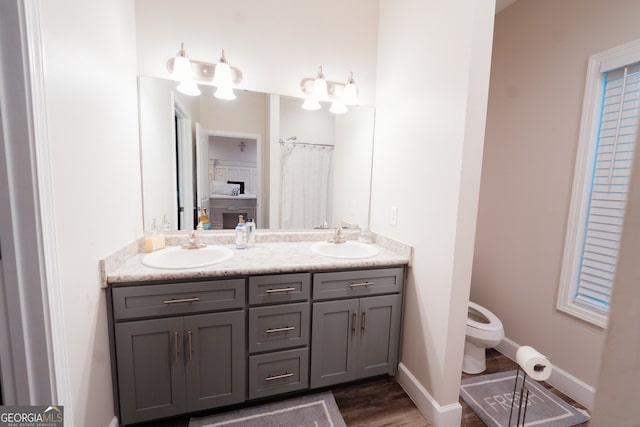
338,237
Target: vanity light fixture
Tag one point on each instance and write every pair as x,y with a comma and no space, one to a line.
181,71
221,75
319,89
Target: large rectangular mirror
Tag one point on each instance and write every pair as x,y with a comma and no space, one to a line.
260,155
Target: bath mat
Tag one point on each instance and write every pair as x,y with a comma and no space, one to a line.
315,410
490,398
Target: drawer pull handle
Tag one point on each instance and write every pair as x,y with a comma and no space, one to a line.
175,342
285,329
353,323
357,285
364,322
278,377
176,301
275,291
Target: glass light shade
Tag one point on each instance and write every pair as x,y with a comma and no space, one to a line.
181,68
350,94
224,92
182,72
338,107
222,75
319,90
311,104
189,87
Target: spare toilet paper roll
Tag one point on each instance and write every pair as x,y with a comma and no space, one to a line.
533,363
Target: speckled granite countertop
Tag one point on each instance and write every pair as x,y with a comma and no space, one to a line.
286,253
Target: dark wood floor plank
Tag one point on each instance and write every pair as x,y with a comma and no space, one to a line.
381,402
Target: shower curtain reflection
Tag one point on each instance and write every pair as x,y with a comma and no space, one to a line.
307,174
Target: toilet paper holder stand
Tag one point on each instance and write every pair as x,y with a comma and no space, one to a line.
524,391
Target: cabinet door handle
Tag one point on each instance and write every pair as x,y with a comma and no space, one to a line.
364,322
190,348
357,285
175,344
275,291
278,377
354,319
176,301
286,328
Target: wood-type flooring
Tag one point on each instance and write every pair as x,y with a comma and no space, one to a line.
381,402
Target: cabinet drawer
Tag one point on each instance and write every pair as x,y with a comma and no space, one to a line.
278,327
280,372
346,284
279,288
177,298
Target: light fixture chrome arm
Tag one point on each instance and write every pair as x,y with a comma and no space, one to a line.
205,71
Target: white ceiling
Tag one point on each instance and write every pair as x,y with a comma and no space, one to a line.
501,4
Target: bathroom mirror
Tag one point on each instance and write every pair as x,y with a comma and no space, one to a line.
260,155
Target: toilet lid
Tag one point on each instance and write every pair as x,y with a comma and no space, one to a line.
487,322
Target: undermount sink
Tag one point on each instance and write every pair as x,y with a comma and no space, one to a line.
350,249
175,257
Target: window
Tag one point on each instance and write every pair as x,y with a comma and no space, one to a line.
603,167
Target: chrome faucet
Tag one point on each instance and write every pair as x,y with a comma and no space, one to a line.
194,242
338,237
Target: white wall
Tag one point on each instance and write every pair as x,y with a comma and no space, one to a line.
91,104
275,44
537,83
430,112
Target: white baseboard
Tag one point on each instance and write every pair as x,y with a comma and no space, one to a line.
114,422
438,416
573,387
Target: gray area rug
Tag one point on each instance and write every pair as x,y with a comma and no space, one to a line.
315,410
490,397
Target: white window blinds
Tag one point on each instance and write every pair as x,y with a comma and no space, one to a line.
610,174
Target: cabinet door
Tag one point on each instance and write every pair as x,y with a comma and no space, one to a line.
378,335
215,359
150,369
333,342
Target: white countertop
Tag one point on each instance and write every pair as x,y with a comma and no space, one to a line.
263,258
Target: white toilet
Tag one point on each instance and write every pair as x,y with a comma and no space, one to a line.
484,330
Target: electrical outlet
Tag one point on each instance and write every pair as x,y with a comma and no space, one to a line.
394,216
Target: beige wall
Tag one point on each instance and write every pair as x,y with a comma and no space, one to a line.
535,101
430,116
92,120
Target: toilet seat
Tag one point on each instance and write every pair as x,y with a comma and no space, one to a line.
493,323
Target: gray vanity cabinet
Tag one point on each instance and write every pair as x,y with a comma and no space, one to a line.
186,346
355,335
279,325
184,358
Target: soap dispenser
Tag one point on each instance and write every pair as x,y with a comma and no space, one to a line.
154,239
251,232
241,233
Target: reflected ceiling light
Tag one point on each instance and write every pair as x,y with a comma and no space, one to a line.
319,89
350,92
338,107
221,75
310,103
182,72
